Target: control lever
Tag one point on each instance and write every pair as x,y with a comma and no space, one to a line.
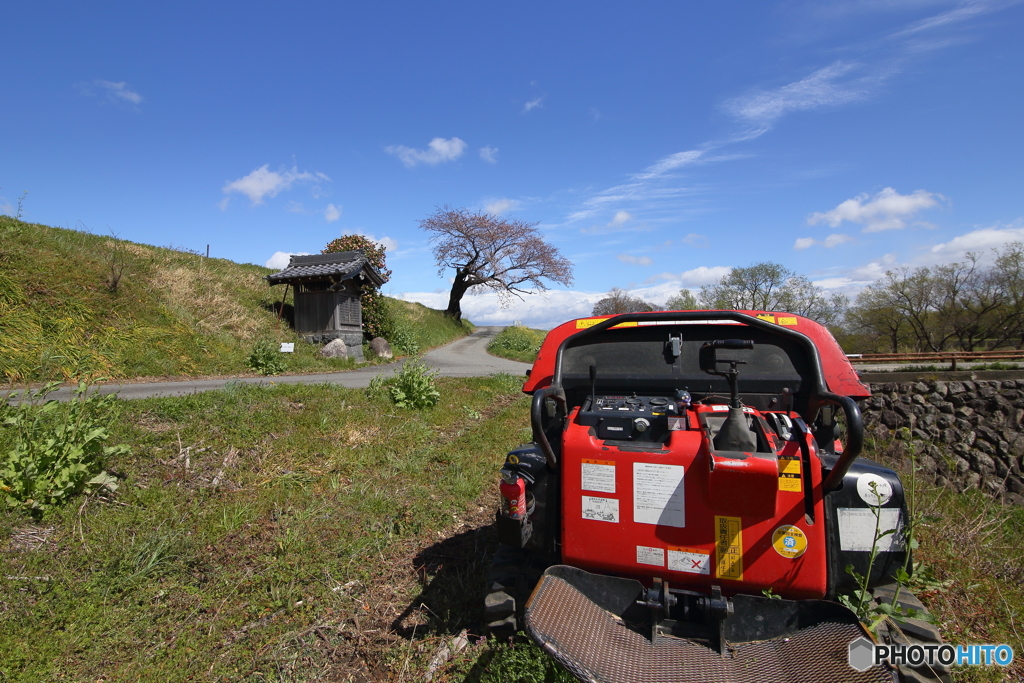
593,387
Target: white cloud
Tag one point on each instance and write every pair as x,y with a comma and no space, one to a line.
332,213
533,104
635,260
114,91
823,88
887,210
669,163
982,240
616,224
489,154
438,150
263,182
295,207
499,206
542,310
695,277
833,240
695,240
280,259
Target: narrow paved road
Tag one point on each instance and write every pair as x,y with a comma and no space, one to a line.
466,357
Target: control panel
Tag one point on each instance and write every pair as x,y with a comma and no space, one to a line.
634,418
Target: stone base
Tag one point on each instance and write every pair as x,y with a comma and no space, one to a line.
353,341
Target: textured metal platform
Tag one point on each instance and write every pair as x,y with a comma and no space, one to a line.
595,645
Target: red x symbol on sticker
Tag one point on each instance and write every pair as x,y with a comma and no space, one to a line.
696,564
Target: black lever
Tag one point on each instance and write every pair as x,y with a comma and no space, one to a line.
593,387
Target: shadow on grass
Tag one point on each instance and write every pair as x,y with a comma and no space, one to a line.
453,573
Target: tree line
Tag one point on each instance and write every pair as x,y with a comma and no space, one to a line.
967,305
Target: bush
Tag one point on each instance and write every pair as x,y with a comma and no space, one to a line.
55,450
517,342
403,339
413,386
265,358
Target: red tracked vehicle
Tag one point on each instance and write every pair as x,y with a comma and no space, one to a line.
694,504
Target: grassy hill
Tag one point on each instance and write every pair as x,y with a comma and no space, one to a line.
78,305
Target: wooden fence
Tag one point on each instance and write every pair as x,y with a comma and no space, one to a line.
933,358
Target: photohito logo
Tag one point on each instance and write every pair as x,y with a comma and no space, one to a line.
865,654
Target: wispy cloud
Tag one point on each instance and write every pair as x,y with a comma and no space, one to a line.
831,241
533,104
830,86
438,150
332,213
263,183
489,154
695,277
671,162
887,210
111,90
500,206
695,240
622,221
635,260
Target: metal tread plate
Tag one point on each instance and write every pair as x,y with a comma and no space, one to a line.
596,646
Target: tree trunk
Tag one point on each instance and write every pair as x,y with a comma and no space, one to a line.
459,287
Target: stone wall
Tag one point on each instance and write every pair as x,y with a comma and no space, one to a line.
967,434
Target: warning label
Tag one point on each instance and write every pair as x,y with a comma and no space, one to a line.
729,548
658,494
787,321
767,317
790,473
648,555
598,475
601,509
689,560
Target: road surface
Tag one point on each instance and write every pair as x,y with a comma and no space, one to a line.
466,357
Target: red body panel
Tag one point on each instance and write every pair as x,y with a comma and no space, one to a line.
617,529
838,372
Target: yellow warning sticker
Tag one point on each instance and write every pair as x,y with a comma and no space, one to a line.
789,541
729,548
767,317
787,321
790,472
584,323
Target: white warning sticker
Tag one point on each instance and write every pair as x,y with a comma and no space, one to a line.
873,489
647,555
658,494
689,560
857,528
598,475
601,509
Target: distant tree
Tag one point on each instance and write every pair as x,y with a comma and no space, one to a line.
773,287
683,301
964,305
619,301
376,319
490,252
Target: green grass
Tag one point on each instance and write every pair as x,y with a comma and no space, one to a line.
278,533
517,343
172,313
973,545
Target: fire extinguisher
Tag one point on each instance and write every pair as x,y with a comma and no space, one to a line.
513,493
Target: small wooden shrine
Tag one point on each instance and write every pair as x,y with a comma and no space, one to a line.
328,290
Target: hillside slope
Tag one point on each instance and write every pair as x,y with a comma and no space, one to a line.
78,305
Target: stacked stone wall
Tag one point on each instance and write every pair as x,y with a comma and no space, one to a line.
967,434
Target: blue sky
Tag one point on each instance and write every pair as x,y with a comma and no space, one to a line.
657,144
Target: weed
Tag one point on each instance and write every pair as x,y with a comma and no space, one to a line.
412,387
55,449
265,358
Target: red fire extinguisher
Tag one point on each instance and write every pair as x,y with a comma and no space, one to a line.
513,492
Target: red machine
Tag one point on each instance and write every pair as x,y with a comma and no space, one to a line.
693,500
